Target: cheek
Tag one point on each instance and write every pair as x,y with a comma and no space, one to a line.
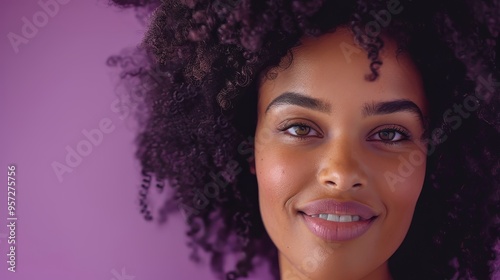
404,179
399,188
280,178
272,176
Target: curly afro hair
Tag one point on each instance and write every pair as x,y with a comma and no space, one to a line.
195,83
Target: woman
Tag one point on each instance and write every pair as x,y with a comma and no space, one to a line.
332,139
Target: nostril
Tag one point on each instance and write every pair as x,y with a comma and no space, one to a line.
331,183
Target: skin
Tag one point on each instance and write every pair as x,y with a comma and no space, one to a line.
344,155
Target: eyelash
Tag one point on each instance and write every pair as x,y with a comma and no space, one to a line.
405,134
287,127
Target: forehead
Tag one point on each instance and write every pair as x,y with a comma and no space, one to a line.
333,65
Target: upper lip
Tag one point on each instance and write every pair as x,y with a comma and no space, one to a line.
331,206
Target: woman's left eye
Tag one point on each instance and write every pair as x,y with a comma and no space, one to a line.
390,135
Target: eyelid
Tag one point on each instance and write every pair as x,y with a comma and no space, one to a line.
297,121
391,127
283,127
405,133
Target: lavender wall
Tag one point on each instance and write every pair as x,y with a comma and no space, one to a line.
84,223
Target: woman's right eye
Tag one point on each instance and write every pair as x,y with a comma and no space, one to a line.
300,130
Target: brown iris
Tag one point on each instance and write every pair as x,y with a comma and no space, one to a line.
387,135
301,130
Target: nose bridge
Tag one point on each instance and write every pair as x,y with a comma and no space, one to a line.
341,166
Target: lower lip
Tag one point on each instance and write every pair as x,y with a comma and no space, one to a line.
336,231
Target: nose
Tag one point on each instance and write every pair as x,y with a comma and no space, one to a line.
341,165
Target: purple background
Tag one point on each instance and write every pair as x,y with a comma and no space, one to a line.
88,225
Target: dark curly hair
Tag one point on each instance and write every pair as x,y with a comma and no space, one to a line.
194,82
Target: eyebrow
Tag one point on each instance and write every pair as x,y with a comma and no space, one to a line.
369,109
393,106
293,98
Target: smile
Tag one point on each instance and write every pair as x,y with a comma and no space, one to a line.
336,221
335,231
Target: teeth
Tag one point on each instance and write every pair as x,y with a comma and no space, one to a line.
345,219
338,218
335,218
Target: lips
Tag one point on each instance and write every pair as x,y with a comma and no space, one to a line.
330,206
334,220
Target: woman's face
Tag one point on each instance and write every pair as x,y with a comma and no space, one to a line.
339,160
